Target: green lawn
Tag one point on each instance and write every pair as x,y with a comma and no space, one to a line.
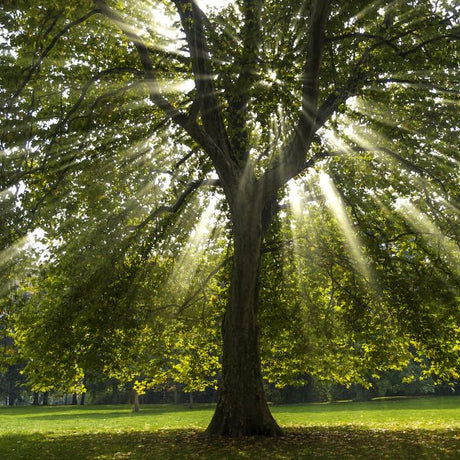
391,428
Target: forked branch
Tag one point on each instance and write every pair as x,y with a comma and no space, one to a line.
294,160
192,19
224,166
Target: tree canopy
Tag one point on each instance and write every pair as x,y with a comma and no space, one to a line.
288,167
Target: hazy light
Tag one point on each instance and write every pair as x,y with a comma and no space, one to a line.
429,231
298,227
336,205
170,86
12,251
295,199
187,265
335,142
206,5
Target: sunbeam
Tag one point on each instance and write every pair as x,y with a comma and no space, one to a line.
380,113
206,5
336,205
421,223
170,86
299,226
12,251
295,199
336,143
187,265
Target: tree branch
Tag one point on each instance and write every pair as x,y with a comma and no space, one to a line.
47,51
193,295
192,19
224,166
238,96
419,83
144,56
428,42
173,208
340,95
293,162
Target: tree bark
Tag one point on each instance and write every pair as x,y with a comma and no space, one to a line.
242,408
136,402
115,393
176,395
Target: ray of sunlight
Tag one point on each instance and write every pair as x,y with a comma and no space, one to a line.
336,205
193,251
421,223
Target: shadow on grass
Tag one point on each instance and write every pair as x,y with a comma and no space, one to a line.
299,443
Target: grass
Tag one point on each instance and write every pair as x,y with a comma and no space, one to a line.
410,428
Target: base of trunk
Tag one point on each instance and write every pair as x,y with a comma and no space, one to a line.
242,409
232,422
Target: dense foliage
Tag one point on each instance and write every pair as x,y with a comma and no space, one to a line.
110,125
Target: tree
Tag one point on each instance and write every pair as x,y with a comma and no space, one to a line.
99,101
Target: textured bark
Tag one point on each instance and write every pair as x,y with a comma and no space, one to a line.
115,392
136,407
242,408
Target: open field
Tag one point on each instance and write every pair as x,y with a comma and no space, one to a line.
410,428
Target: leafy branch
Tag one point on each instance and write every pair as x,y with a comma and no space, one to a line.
35,67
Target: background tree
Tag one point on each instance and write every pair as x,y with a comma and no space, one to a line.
113,127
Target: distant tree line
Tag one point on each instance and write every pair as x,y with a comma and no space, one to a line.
101,390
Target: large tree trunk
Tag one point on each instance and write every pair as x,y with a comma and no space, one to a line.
242,408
